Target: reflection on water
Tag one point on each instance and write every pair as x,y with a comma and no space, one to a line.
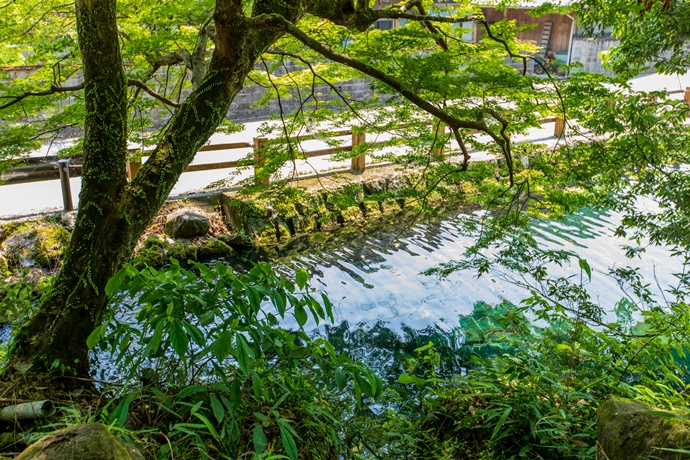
372,276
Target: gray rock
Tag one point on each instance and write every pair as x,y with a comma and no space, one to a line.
85,442
186,223
629,430
68,220
42,245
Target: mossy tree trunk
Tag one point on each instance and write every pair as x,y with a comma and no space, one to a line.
112,213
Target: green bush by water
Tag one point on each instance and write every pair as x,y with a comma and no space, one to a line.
211,373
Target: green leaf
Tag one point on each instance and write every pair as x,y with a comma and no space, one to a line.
288,443
195,333
114,283
411,379
254,298
236,394
178,338
279,301
327,305
222,346
95,337
259,438
299,352
257,385
300,315
584,265
207,423
301,277
155,342
316,309
501,421
244,354
340,379
119,415
190,390
206,318
217,407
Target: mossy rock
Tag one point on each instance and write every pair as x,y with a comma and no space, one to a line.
12,228
43,245
86,442
390,206
375,186
629,430
371,208
4,267
215,248
309,204
251,217
352,214
157,251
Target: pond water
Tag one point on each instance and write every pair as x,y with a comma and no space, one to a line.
385,308
374,277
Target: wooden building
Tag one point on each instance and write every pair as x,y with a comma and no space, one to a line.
552,32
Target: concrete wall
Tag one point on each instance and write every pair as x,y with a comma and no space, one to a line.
241,109
586,51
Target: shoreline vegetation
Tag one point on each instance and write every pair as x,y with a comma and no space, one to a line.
207,372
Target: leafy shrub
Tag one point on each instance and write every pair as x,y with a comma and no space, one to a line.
221,374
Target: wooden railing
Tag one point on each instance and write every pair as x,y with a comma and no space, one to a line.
46,168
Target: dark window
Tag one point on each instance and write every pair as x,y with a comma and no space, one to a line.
383,24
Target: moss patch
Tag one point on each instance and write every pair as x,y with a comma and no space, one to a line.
43,245
157,250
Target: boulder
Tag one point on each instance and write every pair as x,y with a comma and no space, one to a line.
42,245
85,442
629,430
157,250
186,223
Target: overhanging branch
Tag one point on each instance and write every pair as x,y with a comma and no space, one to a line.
54,89
152,93
67,89
366,69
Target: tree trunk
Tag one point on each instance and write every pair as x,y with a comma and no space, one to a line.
113,214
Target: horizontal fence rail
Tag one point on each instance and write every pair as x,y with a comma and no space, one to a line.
50,167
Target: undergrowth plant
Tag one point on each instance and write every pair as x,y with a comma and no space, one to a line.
536,373
222,375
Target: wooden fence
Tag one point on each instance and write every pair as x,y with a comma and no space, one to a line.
46,168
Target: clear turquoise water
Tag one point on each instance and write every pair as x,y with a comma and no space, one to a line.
375,278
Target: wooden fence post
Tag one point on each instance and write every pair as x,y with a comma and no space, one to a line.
686,95
133,168
63,166
559,127
260,159
438,130
358,163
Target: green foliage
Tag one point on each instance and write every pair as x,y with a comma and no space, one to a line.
225,374
20,298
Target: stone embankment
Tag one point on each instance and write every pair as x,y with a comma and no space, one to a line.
216,224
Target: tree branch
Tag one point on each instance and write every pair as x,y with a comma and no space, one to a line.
179,56
53,90
155,95
408,94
